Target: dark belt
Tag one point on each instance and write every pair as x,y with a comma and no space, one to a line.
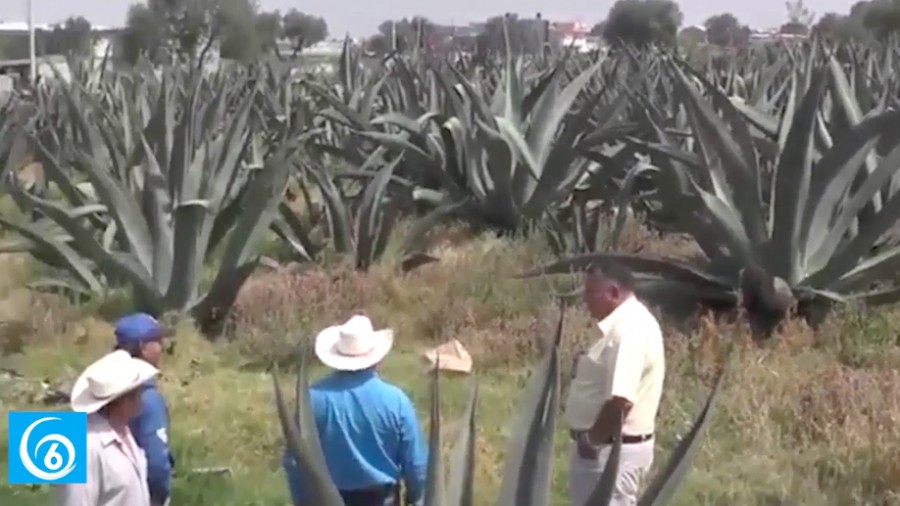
386,495
627,439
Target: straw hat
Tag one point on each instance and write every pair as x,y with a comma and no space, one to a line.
354,345
450,356
109,378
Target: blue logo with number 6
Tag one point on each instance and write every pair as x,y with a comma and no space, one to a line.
47,447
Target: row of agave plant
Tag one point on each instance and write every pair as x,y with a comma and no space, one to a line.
782,163
528,466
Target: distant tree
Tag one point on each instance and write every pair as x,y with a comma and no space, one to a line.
525,35
643,22
73,36
191,26
184,28
268,29
303,30
829,25
849,27
144,33
859,9
597,30
235,26
800,18
189,29
834,27
726,31
378,44
881,17
407,33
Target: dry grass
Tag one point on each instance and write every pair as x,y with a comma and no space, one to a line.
807,419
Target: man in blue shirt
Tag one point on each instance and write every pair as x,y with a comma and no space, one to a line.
142,336
367,427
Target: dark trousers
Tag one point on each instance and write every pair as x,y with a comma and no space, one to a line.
388,495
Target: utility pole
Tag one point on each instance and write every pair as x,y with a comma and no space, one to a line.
31,55
393,35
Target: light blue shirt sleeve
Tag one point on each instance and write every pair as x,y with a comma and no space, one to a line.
413,451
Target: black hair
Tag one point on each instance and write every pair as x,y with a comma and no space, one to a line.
613,271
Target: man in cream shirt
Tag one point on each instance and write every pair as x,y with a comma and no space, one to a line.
109,392
619,377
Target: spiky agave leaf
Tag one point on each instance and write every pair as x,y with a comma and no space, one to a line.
665,282
302,439
606,485
259,205
363,232
529,456
461,480
434,486
665,484
375,219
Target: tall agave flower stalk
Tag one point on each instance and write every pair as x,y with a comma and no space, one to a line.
528,468
162,159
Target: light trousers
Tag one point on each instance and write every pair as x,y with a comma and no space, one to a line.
584,474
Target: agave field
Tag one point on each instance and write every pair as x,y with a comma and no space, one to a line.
782,164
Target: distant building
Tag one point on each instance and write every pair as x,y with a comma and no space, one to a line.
769,36
104,36
576,35
571,29
325,48
17,71
16,27
330,47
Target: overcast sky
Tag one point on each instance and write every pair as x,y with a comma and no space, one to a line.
361,17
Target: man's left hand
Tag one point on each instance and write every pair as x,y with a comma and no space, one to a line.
586,451
599,435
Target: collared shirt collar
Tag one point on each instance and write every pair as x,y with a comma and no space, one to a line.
607,324
353,377
98,424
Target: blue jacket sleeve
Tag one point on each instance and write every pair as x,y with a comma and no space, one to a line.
150,429
413,452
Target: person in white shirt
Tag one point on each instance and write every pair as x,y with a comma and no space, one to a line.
618,378
109,392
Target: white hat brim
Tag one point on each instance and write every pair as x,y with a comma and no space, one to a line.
83,401
326,350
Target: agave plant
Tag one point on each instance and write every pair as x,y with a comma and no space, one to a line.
167,184
511,155
357,226
528,470
805,229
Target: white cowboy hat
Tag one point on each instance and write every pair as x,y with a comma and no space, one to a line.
109,378
353,346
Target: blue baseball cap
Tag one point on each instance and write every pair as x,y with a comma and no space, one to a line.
139,328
